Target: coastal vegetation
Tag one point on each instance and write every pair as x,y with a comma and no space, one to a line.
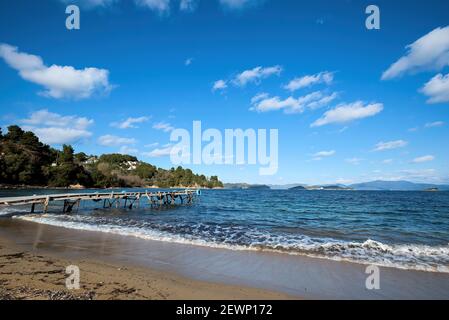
26,161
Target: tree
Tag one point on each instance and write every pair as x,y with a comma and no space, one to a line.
24,160
117,159
2,170
81,157
68,172
145,170
67,155
14,134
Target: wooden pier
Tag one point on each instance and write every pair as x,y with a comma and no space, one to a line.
126,200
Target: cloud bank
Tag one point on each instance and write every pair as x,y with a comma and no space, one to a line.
437,89
430,52
55,129
390,145
345,113
256,75
130,123
58,81
309,80
264,103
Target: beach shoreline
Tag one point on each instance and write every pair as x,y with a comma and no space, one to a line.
39,275
151,269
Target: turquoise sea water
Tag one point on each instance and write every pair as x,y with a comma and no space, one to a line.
400,229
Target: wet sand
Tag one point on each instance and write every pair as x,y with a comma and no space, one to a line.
120,267
28,272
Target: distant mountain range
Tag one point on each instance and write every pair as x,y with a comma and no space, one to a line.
372,185
397,186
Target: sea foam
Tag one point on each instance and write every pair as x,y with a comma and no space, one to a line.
403,256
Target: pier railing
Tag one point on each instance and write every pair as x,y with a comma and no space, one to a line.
110,199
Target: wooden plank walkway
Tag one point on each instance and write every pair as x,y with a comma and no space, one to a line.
110,199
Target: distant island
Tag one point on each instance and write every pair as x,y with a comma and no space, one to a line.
298,188
246,186
325,187
377,185
25,161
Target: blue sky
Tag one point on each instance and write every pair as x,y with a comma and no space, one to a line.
350,104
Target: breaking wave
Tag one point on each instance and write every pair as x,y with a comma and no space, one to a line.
235,237
9,211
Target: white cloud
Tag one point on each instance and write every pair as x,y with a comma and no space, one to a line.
50,119
309,80
423,159
90,3
58,81
256,75
164,126
275,103
152,145
263,103
130,123
437,89
430,52
259,97
323,154
390,145
219,85
434,124
354,161
52,128
343,129
128,150
236,4
54,135
344,113
188,5
161,6
159,152
323,101
112,141
387,161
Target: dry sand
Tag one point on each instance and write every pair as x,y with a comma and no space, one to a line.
37,276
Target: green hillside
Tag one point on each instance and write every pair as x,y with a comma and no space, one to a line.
25,161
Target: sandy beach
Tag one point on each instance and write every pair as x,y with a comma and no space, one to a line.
33,258
35,275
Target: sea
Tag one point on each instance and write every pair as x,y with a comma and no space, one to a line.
405,230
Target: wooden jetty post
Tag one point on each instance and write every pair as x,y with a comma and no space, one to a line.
68,205
46,203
